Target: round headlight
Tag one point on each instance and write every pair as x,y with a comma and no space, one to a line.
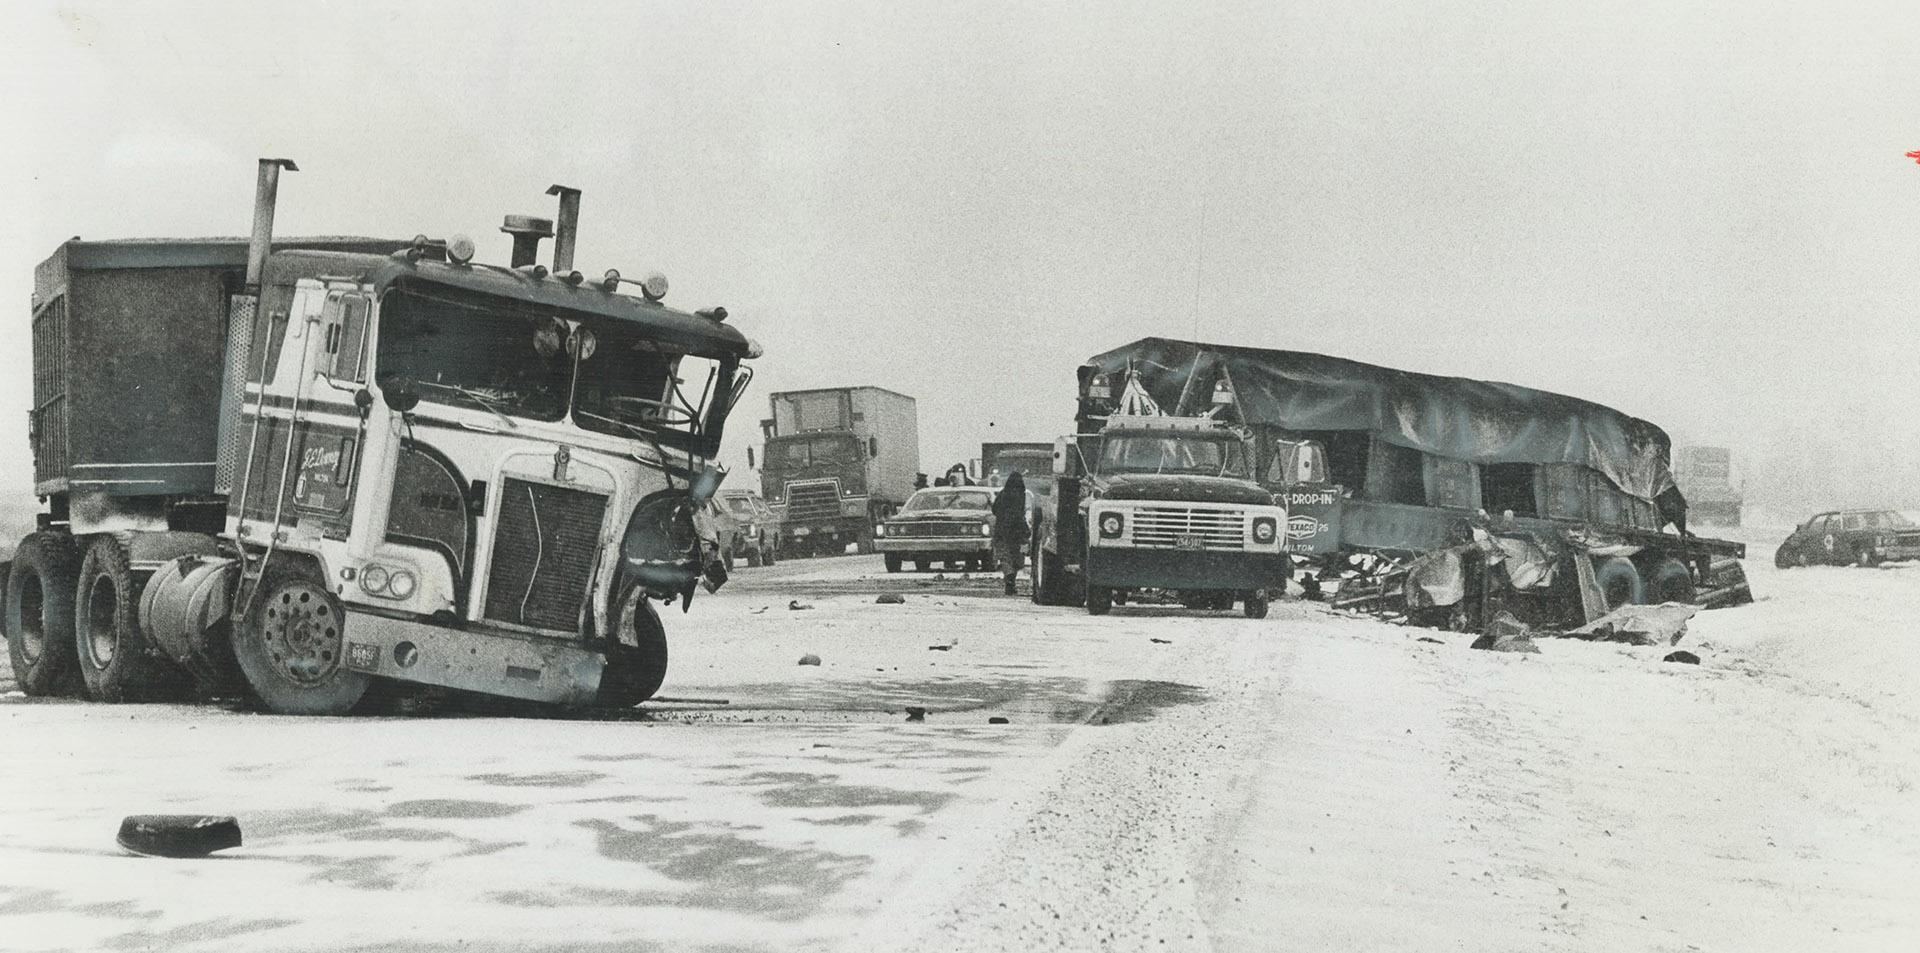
374,579
402,584
1263,532
1110,524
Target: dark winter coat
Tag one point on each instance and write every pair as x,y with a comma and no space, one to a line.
1010,521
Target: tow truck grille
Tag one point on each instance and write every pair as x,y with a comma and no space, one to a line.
934,528
543,555
812,501
1164,525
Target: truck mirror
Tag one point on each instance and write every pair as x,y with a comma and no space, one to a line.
750,464
363,399
400,395
873,446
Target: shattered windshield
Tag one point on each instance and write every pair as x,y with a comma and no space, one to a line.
518,360
1173,453
947,500
813,450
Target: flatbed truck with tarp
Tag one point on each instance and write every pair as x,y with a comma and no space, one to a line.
1372,461
300,468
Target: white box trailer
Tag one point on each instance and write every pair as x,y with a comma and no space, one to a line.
838,460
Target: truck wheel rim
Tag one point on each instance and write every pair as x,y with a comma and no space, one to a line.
302,633
103,641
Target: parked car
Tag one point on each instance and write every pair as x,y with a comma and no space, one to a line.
1851,537
942,524
758,536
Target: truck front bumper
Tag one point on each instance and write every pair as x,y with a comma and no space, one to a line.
1130,567
489,661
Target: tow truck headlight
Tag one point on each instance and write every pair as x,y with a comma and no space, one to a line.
1112,525
402,584
1264,528
986,529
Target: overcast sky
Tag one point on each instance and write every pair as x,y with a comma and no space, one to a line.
1697,213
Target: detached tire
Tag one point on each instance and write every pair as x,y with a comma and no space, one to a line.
1671,581
115,661
291,646
1620,582
39,613
635,672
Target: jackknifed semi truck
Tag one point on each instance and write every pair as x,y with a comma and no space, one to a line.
299,468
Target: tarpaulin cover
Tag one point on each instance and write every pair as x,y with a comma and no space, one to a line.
1453,417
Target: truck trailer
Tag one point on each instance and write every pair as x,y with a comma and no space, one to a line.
838,461
299,467
1373,461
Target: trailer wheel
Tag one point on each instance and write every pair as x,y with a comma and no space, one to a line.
39,613
291,646
635,672
893,562
1255,605
1099,600
1620,582
115,661
1670,581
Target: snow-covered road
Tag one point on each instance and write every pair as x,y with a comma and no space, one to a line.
1164,780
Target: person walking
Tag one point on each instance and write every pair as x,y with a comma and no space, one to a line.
1010,526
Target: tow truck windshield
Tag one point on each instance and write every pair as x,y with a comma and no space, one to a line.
1187,453
520,361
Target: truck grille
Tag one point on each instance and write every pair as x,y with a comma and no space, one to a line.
1163,525
813,501
543,555
934,528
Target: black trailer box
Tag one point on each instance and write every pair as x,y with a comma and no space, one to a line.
129,344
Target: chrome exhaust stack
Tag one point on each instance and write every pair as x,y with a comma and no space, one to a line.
266,190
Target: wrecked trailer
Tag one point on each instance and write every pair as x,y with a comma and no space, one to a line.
1437,497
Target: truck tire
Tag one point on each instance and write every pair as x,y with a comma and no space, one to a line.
1099,600
635,672
39,614
291,645
1620,582
1049,575
1670,581
1255,605
115,660
769,553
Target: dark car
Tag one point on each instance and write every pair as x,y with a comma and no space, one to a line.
1851,537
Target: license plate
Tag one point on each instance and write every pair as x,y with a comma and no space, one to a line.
1189,541
802,531
363,656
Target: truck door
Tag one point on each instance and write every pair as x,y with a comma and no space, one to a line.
300,424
